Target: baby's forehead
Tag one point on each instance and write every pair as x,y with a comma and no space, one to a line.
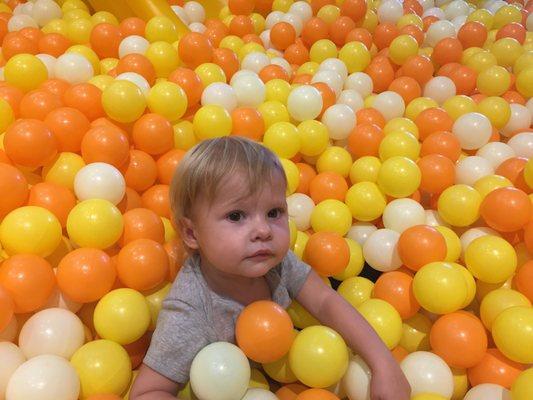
237,188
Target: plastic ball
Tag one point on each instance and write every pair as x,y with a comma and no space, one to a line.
249,90
522,144
471,169
384,319
356,381
100,181
473,130
459,205
522,387
314,137
365,201
168,100
220,94
331,216
490,259
340,120
511,331
427,373
304,103
327,252
493,80
381,250
73,68
420,245
25,71
497,301
399,177
211,121
133,44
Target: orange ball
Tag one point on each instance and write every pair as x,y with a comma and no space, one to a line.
459,338
241,25
273,71
327,252
524,279
247,122
384,34
438,173
447,50
153,134
139,64
241,7
54,44
105,39
227,60
406,87
365,139
142,264
296,54
354,9
14,43
14,189
34,34
69,126
38,103
12,95
86,275
87,98
314,30
167,164
328,95
156,198
415,32
513,169
420,245
190,82
56,198
514,203
443,143
464,79
132,26
340,28
195,49
105,396
328,185
472,34
419,68
370,116
6,308
105,144
264,331
495,368
290,391
57,87
307,174
29,280
396,288
512,30
433,120
413,7
137,351
316,394
142,223
360,35
382,73
399,353
29,142
282,35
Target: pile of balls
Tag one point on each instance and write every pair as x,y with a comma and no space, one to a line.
405,131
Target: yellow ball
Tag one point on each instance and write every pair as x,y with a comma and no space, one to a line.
313,348
282,138
293,233
459,205
410,19
399,177
528,173
300,316
162,28
210,73
123,101
491,259
460,383
385,320
512,332
401,124
402,47
507,50
122,316
77,13
524,82
470,284
211,121
403,144
415,333
329,13
184,137
322,49
164,57
331,216
507,14
104,17
493,81
299,245
365,169
292,173
522,388
70,5
25,71
30,230
231,42
273,112
355,56
107,64
500,300
482,16
259,23
469,52
63,169
102,82
280,370
6,115
310,67
95,223
453,243
56,26
489,183
314,137
167,99
278,90
79,30
418,105
89,54
428,396
496,109
523,62
281,5
459,105
250,47
356,290
356,263
103,366
440,288
335,159
365,201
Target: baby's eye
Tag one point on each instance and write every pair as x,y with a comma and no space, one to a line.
235,216
276,213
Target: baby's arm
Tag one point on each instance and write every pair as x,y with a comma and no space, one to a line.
151,385
326,305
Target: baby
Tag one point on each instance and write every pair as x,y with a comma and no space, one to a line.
228,199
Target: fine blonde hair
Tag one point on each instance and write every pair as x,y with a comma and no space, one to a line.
206,166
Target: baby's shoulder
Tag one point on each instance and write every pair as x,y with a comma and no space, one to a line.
186,291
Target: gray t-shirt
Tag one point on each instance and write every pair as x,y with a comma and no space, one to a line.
193,316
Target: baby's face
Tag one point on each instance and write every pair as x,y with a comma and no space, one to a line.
241,234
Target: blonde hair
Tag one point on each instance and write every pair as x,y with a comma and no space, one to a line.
207,165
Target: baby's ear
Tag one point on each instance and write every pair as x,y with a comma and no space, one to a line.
188,233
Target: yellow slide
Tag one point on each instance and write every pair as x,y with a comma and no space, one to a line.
147,9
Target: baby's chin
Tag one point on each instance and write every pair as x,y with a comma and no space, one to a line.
256,270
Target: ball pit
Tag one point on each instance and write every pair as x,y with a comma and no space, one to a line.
405,132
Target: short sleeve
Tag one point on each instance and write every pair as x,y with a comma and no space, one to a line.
180,334
294,273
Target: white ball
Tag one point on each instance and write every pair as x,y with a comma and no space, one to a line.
352,99
496,5
49,62
44,11
99,181
283,64
304,102
18,22
459,21
59,300
265,38
295,21
356,380
456,8
433,218
250,90
45,377
434,12
401,214
334,64
52,331
440,89
330,78
255,61
522,144
259,394
496,153
427,4
390,104
239,73
438,31
73,68
301,9
470,169
360,82
300,207
182,15
520,120
340,121
473,130
390,11
137,79
488,391
273,18
220,371
529,103
12,357
472,234
133,44
381,250
197,27
195,11
427,373
220,94
361,231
